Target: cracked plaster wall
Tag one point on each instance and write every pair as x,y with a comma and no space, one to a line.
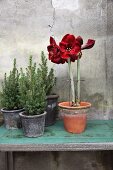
25,27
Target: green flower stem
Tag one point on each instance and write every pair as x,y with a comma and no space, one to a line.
72,82
78,81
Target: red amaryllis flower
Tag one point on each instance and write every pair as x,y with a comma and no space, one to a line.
90,43
70,47
54,52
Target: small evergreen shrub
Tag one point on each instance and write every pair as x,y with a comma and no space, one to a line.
48,78
10,95
32,90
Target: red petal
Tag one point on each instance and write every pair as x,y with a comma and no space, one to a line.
90,43
65,56
73,58
65,37
63,46
79,38
68,38
58,60
52,41
49,48
75,50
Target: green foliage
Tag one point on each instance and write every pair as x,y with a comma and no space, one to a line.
48,77
32,90
10,96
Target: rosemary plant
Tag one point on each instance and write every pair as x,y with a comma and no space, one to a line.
48,77
10,95
32,90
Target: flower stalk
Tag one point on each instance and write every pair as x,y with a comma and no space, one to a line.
72,82
75,98
78,81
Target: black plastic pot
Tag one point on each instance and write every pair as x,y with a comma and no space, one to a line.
51,109
12,118
33,126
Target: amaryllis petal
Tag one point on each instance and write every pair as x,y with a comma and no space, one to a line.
80,40
76,49
68,38
74,57
52,41
71,39
63,46
54,52
65,56
69,47
65,37
49,47
90,43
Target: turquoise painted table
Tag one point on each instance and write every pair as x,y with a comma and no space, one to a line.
98,136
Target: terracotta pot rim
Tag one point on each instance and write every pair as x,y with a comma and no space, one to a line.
66,105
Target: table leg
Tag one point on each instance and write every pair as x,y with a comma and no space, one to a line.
9,161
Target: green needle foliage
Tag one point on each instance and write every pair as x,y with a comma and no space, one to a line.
10,95
48,77
32,90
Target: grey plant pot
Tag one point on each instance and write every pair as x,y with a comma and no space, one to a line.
51,109
33,126
12,118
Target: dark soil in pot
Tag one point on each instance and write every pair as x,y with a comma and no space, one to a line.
51,109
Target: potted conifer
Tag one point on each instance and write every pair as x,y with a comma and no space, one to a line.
33,98
10,99
68,51
49,80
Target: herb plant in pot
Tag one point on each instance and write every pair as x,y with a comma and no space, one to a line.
10,99
48,79
68,51
33,98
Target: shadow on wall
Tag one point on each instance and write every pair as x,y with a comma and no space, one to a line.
100,108
62,88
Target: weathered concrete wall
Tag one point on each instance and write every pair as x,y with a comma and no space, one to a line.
25,27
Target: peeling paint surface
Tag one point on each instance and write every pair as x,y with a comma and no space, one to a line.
97,131
67,4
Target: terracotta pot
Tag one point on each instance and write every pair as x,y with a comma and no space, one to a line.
74,118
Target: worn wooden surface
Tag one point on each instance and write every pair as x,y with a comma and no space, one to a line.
98,136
